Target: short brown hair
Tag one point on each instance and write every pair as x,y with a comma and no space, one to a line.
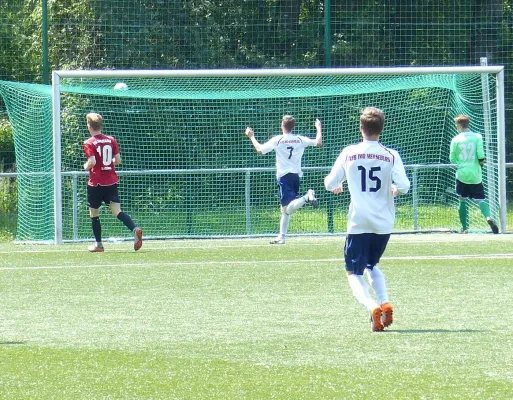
372,120
95,121
288,122
462,120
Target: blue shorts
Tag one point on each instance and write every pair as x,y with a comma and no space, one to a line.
288,188
364,250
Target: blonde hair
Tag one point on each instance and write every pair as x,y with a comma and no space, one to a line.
288,122
95,121
372,120
462,120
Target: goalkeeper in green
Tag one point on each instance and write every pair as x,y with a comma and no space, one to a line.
468,154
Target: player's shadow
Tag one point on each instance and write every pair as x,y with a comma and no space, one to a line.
434,331
12,343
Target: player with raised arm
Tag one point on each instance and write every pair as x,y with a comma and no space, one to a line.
289,150
375,175
467,153
102,153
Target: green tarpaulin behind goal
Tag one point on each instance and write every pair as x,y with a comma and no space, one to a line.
188,170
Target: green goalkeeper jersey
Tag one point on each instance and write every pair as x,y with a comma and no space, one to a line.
466,151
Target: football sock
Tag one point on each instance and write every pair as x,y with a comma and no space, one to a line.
125,218
295,205
485,210
284,224
97,229
463,213
378,283
361,291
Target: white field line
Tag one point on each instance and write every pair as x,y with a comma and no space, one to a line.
224,263
120,248
252,243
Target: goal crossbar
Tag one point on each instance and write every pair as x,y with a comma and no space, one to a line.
212,73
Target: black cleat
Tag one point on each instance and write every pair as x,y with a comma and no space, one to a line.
493,225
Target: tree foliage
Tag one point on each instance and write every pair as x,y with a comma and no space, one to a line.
187,34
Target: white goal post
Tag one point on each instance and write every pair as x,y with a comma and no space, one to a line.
73,82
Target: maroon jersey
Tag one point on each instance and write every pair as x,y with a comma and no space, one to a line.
103,148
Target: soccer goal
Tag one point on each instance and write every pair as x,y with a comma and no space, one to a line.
188,170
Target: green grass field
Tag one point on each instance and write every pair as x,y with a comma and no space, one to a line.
240,319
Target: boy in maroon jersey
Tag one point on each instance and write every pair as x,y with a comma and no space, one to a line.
103,154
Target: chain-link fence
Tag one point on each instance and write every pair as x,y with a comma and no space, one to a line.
38,36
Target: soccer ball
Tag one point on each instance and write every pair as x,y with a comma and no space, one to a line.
120,86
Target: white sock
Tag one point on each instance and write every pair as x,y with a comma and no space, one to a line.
295,205
378,283
361,291
284,224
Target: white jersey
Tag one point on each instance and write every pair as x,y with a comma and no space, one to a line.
370,170
289,150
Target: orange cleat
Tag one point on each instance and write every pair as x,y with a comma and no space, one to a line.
96,249
388,314
137,238
377,325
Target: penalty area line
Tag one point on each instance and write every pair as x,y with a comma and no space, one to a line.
225,263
